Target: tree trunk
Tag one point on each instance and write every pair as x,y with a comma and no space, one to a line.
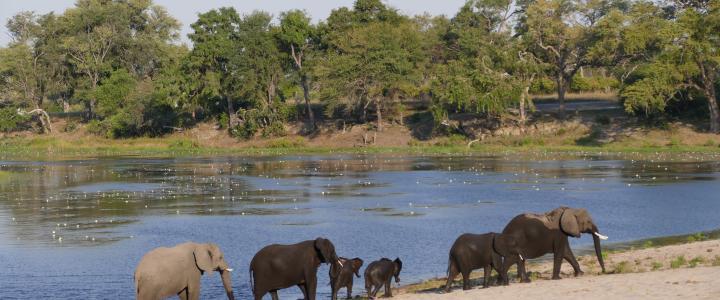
93,102
714,110
378,112
306,95
523,112
232,116
561,86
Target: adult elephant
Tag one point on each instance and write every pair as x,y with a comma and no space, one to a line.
165,272
281,266
539,234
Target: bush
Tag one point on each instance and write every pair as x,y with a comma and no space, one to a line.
623,267
97,127
10,120
678,262
656,266
70,127
696,261
697,237
275,129
542,86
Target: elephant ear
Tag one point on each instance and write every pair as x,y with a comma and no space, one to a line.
203,258
356,264
500,245
569,223
322,247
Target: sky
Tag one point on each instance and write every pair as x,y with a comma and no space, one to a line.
186,10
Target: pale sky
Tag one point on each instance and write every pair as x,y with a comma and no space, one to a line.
186,10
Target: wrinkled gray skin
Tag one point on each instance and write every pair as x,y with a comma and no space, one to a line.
380,273
281,266
474,251
165,272
344,278
539,234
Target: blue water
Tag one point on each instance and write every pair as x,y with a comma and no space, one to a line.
110,211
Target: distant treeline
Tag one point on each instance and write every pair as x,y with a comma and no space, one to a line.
120,62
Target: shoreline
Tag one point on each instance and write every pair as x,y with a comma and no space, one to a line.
53,148
638,268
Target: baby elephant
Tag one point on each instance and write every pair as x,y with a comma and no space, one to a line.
165,272
343,278
474,251
379,273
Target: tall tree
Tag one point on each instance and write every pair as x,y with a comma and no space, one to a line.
563,32
296,40
374,61
690,61
214,46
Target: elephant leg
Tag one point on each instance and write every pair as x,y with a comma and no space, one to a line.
466,279
349,290
388,288
452,273
183,295
304,291
557,263
274,295
376,289
522,272
570,257
310,286
486,276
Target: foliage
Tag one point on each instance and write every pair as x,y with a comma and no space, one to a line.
678,262
10,120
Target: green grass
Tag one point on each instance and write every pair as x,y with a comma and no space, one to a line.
678,262
48,148
695,261
697,237
623,267
656,265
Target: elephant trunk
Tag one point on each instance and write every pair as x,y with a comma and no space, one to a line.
227,284
598,250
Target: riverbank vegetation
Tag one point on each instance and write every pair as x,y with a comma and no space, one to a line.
115,69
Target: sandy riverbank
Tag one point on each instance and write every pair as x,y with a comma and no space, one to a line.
687,271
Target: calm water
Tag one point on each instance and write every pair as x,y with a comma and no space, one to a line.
76,229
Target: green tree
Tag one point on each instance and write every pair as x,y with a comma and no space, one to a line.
296,41
375,61
214,38
689,61
563,34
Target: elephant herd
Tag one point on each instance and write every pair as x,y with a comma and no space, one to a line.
165,272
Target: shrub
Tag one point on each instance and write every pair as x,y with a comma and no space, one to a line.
97,127
10,120
647,244
623,267
697,237
678,262
656,266
70,127
275,129
695,261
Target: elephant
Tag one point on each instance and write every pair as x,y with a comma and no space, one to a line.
277,267
164,272
539,234
344,277
379,273
474,251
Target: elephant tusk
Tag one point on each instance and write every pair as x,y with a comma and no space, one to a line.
341,264
229,269
602,237
521,257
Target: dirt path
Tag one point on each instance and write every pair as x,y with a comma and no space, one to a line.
686,271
